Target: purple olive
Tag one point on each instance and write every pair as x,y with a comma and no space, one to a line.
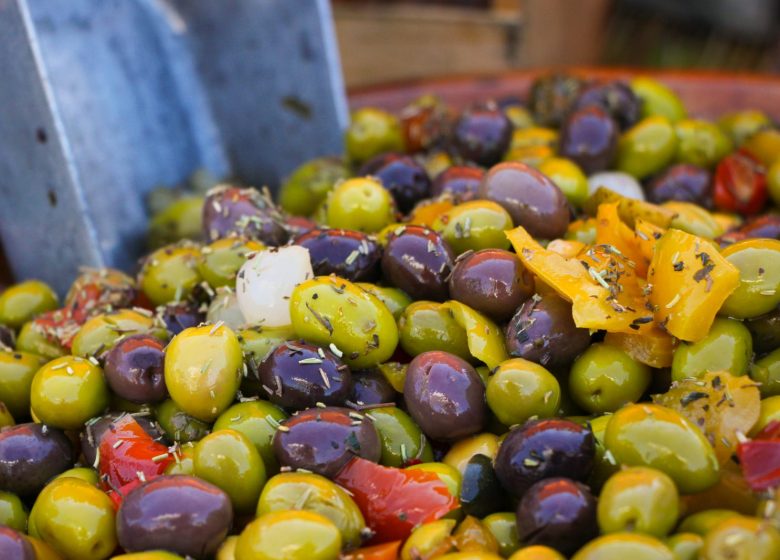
492,281
445,396
134,369
616,98
30,455
683,182
180,514
482,134
93,432
352,255
180,315
531,198
543,331
369,386
462,181
323,440
14,546
297,375
543,449
400,174
246,212
418,261
589,138
559,513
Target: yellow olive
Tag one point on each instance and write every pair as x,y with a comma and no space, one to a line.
289,535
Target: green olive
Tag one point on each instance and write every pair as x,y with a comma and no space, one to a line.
30,339
701,522
150,555
765,145
258,342
76,519
647,147
728,346
700,142
220,261
184,460
13,514
447,474
17,370
658,437
758,261
634,546
520,389
537,552
361,204
86,474
638,499
257,420
604,378
427,538
43,551
22,302
767,372
372,132
773,182
312,492
742,538
170,273
426,326
658,99
568,176
331,311
203,370
685,546
310,183
741,125
6,418
503,526
402,440
463,450
177,424
770,412
67,392
396,300
103,331
475,225
290,535
693,219
181,219
227,550
229,460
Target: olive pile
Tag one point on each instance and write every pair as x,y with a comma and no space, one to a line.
531,331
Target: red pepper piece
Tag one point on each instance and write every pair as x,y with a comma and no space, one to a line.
740,184
760,461
128,453
118,496
386,551
394,501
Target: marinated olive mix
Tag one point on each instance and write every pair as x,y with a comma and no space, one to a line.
532,328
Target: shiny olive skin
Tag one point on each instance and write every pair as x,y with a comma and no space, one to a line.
93,431
402,440
22,302
543,331
350,254
502,526
463,450
683,182
604,378
758,261
17,370
230,461
290,535
310,183
543,449
614,97
170,273
418,261
685,546
518,390
30,455
701,142
134,369
372,132
361,204
632,546
180,316
727,346
32,340
369,386
741,538
647,147
480,490
323,440
551,97
461,181
181,514
767,372
67,392
559,513
13,513
177,424
231,210
14,546
765,331
589,138
638,499
221,260
312,492
482,134
76,519
531,198
427,539
474,225
297,375
445,396
400,174
658,437
257,420
492,281
425,326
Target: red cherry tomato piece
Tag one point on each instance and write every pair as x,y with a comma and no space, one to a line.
740,184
